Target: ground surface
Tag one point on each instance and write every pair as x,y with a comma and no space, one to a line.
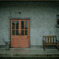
29,52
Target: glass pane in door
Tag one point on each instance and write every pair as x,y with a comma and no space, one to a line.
25,32
17,32
25,24
22,32
17,24
13,24
22,24
13,32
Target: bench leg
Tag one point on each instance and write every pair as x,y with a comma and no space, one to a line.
58,47
44,47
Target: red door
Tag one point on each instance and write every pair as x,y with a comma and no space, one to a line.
19,33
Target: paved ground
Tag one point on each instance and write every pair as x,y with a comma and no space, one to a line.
26,52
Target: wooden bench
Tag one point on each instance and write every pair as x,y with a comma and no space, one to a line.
50,40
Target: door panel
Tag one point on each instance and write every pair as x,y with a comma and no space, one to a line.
19,33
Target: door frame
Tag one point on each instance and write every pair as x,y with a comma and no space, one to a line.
11,29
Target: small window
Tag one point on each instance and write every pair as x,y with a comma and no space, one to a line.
57,19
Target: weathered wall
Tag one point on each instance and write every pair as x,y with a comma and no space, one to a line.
42,17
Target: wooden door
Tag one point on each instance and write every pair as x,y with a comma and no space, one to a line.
19,33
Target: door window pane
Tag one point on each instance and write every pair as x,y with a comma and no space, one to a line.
16,32
25,24
25,32
22,32
17,25
13,24
13,32
22,24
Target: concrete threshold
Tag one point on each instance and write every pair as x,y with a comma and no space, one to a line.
28,52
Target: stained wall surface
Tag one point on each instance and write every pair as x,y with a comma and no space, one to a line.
42,16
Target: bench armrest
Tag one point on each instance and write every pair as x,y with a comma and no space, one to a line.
44,41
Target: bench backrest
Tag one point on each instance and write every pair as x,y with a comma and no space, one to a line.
50,39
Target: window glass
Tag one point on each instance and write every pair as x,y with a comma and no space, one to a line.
13,24
22,32
16,32
13,32
25,32
17,25
22,24
25,24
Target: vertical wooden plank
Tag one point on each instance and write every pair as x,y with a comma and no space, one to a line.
56,39
24,27
50,39
15,28
11,32
45,38
19,39
28,28
11,27
28,32
19,26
